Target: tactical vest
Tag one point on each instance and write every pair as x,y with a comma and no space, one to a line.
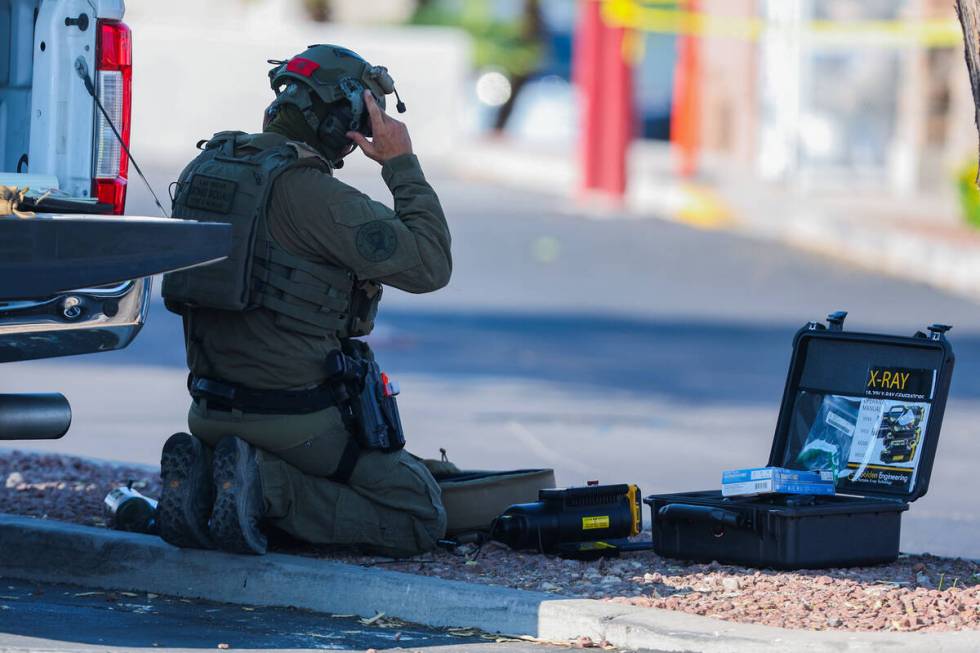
221,186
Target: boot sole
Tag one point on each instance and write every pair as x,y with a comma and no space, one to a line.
235,477
185,503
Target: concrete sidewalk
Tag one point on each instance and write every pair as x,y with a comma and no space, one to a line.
48,551
922,238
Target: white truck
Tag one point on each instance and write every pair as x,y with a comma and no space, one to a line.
75,272
51,133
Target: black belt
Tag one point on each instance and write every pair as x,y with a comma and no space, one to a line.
229,396
221,395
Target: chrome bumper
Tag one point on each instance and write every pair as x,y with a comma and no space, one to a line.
77,322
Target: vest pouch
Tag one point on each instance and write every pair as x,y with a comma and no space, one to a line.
365,298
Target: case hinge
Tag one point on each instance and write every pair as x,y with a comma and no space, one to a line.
836,320
938,331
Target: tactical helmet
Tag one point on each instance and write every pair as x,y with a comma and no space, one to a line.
332,74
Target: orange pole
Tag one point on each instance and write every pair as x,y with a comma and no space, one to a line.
685,115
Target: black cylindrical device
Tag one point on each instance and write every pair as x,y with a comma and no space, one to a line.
570,515
34,416
128,510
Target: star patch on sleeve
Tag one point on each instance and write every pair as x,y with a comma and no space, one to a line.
377,241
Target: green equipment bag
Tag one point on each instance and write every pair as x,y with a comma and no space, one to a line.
473,499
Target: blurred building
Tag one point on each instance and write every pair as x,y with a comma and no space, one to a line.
375,11
814,103
202,67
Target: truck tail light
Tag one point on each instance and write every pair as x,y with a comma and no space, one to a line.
114,85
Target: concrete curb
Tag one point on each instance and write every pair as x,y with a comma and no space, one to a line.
40,550
948,265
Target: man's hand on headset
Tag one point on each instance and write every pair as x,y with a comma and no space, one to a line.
389,137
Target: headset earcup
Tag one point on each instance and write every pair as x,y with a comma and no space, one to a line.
333,135
269,115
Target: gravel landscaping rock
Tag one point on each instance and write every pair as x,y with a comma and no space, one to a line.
916,593
66,488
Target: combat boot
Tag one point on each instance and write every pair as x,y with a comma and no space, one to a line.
238,506
188,492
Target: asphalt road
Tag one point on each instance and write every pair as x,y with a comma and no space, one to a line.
44,617
610,348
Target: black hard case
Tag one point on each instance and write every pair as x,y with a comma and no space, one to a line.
787,532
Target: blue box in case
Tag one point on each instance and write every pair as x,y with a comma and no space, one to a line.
776,480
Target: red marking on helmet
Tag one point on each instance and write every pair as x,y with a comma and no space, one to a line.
301,66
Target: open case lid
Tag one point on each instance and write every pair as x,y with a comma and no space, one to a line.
868,406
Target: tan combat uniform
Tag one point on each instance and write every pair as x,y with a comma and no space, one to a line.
391,503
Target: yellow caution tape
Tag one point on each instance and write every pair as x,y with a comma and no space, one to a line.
930,33
650,17
657,16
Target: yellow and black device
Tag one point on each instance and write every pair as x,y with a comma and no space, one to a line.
590,521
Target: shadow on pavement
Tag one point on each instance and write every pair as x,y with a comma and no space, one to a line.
685,360
62,613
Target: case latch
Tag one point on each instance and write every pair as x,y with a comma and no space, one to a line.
836,320
938,331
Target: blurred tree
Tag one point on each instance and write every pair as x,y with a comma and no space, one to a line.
969,195
969,14
514,46
317,10
533,33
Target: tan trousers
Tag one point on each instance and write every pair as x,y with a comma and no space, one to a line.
391,504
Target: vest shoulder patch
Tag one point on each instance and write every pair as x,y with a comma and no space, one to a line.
211,194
